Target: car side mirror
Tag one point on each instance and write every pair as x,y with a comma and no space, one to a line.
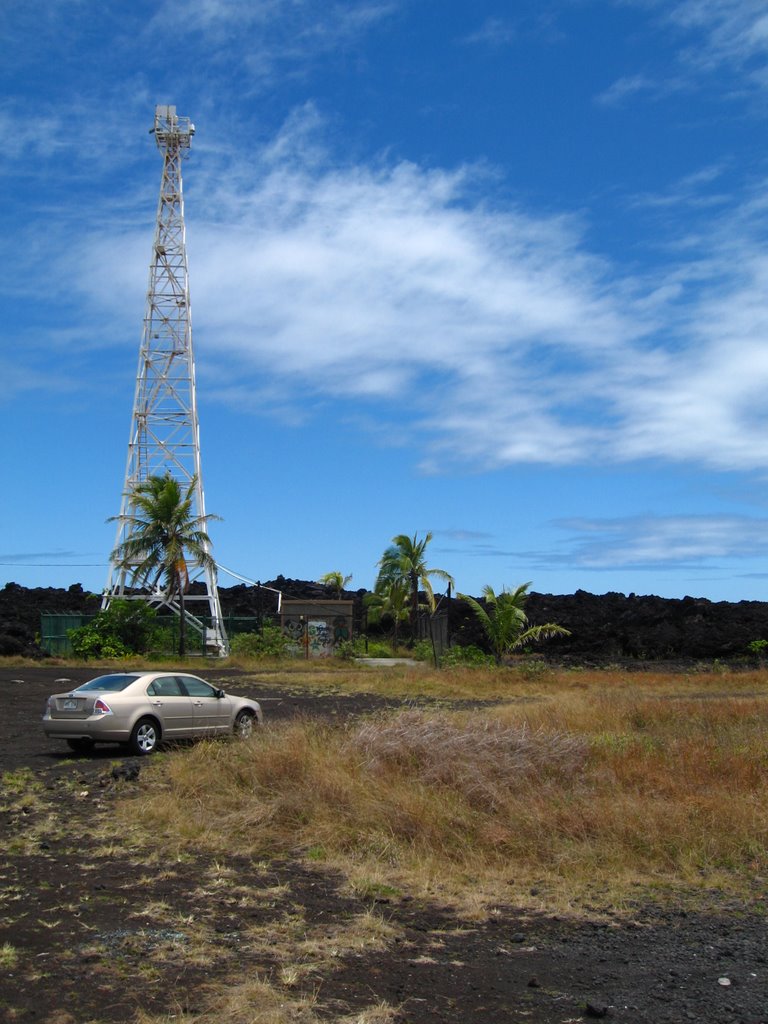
218,693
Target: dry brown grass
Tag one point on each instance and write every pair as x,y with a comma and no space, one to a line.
254,1000
257,1002
674,787
476,756
243,1002
591,781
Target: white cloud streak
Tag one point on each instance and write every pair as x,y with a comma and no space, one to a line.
652,542
734,32
481,337
711,35
493,32
288,35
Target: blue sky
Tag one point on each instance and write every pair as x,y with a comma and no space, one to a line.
496,270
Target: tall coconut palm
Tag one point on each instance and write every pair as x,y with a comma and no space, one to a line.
162,534
405,560
336,582
505,623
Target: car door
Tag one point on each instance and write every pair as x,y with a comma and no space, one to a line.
212,713
172,706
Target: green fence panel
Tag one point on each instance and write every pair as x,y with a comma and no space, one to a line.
54,627
53,631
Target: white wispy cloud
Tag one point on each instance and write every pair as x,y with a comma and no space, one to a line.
694,190
286,38
657,541
27,137
23,376
486,335
709,36
493,32
642,542
359,282
234,16
733,32
630,85
704,396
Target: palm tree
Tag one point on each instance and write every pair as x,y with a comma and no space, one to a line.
336,582
405,561
505,623
162,535
389,599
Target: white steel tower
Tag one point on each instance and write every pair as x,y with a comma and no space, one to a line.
164,434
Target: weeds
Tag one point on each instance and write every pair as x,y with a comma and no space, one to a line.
19,790
9,956
477,756
251,1002
256,1002
587,785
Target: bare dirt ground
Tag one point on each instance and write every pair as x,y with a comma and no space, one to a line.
89,933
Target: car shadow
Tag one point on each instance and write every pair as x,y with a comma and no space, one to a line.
112,752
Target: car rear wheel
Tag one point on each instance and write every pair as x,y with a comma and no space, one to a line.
82,746
145,736
244,724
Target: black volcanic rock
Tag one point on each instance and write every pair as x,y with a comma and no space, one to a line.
616,627
650,628
604,628
21,608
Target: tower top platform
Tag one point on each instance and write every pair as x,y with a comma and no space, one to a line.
170,130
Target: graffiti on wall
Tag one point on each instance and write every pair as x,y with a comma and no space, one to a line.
315,628
341,631
314,638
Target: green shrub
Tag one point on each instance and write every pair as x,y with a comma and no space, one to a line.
87,643
423,651
465,657
348,650
125,628
532,669
163,642
271,642
379,649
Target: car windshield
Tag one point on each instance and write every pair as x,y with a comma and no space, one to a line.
110,683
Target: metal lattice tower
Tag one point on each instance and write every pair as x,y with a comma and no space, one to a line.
164,434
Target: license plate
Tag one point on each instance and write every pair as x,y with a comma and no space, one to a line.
70,705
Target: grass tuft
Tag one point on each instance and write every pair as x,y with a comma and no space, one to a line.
656,780
243,1002
9,956
480,757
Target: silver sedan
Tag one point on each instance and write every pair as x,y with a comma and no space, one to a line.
143,708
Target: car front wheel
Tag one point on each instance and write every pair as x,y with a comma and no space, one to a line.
145,736
244,725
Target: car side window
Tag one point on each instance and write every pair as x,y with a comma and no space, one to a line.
168,687
197,687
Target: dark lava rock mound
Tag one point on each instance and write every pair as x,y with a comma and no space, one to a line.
604,628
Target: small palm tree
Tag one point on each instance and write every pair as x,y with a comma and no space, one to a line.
505,623
405,561
336,582
162,535
389,600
